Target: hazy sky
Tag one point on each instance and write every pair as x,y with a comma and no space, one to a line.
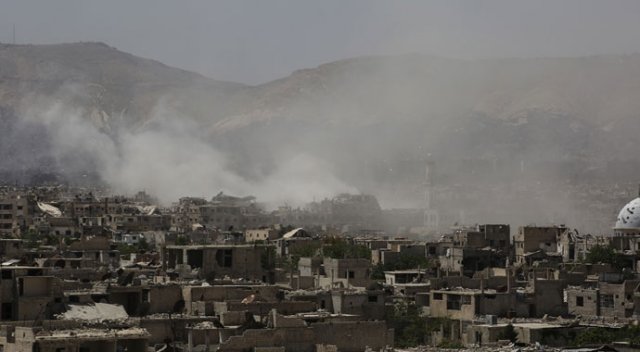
260,40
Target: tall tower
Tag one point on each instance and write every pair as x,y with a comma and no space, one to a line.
431,217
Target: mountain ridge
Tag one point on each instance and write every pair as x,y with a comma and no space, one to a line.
580,111
97,78
499,88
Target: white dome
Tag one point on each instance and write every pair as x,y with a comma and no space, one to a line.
629,217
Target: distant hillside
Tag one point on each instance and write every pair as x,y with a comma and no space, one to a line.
108,84
572,110
594,93
599,90
371,122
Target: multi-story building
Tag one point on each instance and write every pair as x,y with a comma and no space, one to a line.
251,262
15,214
535,242
468,250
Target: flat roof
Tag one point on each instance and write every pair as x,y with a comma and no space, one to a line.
469,291
408,271
92,334
216,246
532,325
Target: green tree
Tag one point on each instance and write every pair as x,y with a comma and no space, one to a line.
268,258
126,249
182,241
339,248
410,261
51,240
450,345
404,262
309,250
31,239
291,262
409,327
143,245
601,335
509,333
377,273
604,254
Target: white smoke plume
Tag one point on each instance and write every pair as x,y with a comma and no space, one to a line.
170,158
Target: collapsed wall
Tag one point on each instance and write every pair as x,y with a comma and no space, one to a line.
348,337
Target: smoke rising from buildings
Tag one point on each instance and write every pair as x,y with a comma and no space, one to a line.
170,158
513,140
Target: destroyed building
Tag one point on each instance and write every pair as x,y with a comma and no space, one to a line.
186,283
251,262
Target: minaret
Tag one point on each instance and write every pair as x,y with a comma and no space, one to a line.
427,185
431,218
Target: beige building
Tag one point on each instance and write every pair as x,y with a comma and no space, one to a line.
346,272
20,339
537,239
606,299
11,248
14,215
262,234
290,333
252,262
26,293
465,304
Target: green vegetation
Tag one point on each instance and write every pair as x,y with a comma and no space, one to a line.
141,247
309,250
599,336
452,345
339,248
268,258
69,240
404,262
409,261
410,328
605,254
378,272
509,334
182,241
31,239
126,249
331,248
291,263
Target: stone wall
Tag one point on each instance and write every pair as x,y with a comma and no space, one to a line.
163,298
348,337
262,308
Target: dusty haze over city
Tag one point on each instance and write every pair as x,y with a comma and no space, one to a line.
528,111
